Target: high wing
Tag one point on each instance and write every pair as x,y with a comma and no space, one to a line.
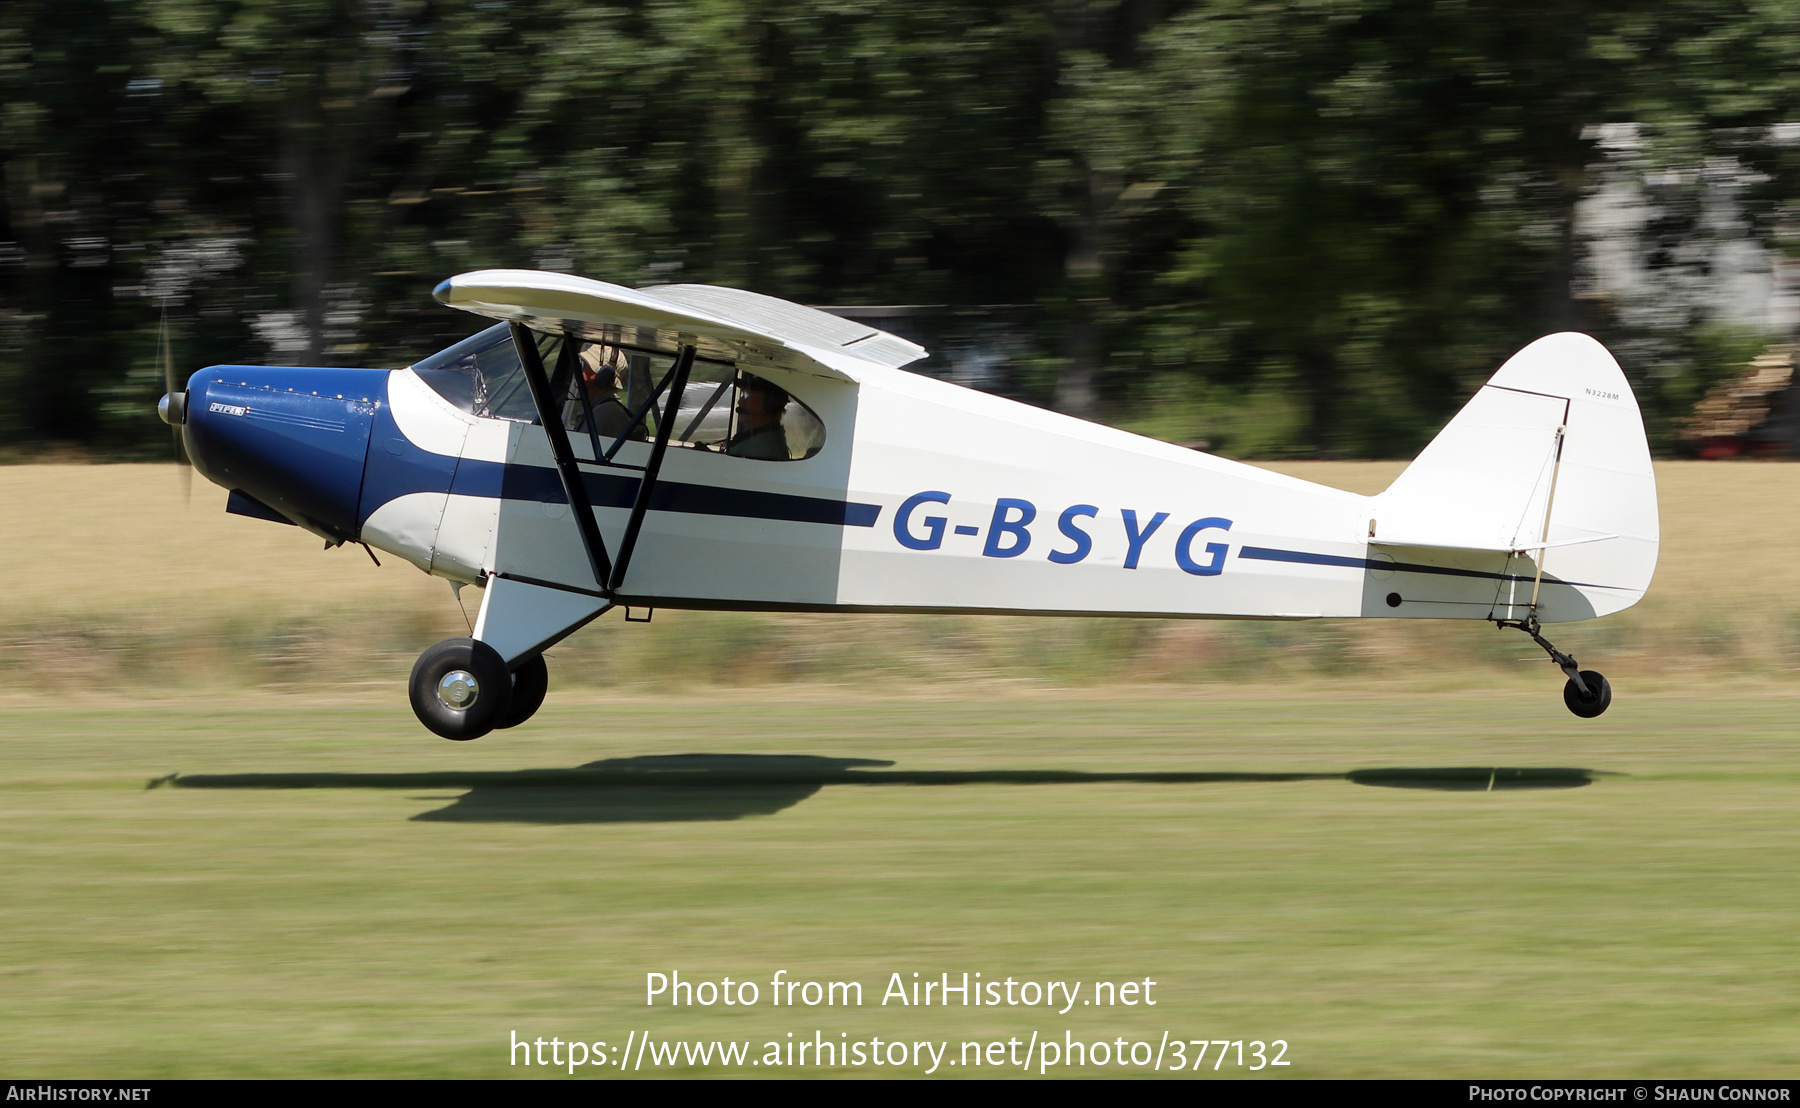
743,327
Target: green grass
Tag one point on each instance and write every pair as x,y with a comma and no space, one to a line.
326,890
1255,815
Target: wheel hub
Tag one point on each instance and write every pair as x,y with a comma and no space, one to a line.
458,689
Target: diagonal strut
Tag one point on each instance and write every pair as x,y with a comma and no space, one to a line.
550,415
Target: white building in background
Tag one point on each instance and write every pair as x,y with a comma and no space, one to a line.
1664,251
1668,248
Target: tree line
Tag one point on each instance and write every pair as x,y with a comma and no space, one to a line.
1281,227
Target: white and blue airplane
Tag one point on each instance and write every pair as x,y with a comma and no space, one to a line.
689,446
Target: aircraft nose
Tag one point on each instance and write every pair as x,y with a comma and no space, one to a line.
294,439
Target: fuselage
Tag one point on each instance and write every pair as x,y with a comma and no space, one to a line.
924,496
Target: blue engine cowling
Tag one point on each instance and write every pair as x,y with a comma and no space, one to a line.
294,439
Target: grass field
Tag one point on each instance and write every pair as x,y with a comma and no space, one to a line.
1480,885
227,849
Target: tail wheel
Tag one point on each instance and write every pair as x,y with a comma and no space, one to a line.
529,684
1594,701
460,689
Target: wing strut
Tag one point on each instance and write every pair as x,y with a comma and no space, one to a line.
678,385
550,415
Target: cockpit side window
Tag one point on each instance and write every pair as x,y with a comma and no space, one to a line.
606,399
770,424
724,410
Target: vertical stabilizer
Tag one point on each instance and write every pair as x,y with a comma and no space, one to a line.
1549,463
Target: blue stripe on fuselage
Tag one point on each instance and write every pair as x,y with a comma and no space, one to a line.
1265,554
613,490
1302,557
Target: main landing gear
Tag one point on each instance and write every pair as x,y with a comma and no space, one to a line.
1587,692
461,689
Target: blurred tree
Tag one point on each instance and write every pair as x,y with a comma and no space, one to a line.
73,192
1386,201
1286,226
1385,193
1101,141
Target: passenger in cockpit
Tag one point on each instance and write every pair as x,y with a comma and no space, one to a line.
598,382
761,405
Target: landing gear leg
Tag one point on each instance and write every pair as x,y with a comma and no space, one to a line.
1587,692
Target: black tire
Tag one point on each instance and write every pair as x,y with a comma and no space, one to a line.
490,690
1587,707
530,682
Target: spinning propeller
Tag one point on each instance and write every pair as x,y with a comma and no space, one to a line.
173,408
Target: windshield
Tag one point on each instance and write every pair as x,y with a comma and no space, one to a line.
482,375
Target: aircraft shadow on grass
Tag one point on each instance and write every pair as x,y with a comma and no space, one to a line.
689,787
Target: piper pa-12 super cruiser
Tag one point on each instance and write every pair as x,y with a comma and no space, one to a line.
689,446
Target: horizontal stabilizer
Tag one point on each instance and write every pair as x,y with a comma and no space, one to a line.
1523,548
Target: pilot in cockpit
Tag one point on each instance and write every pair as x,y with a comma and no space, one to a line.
761,404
